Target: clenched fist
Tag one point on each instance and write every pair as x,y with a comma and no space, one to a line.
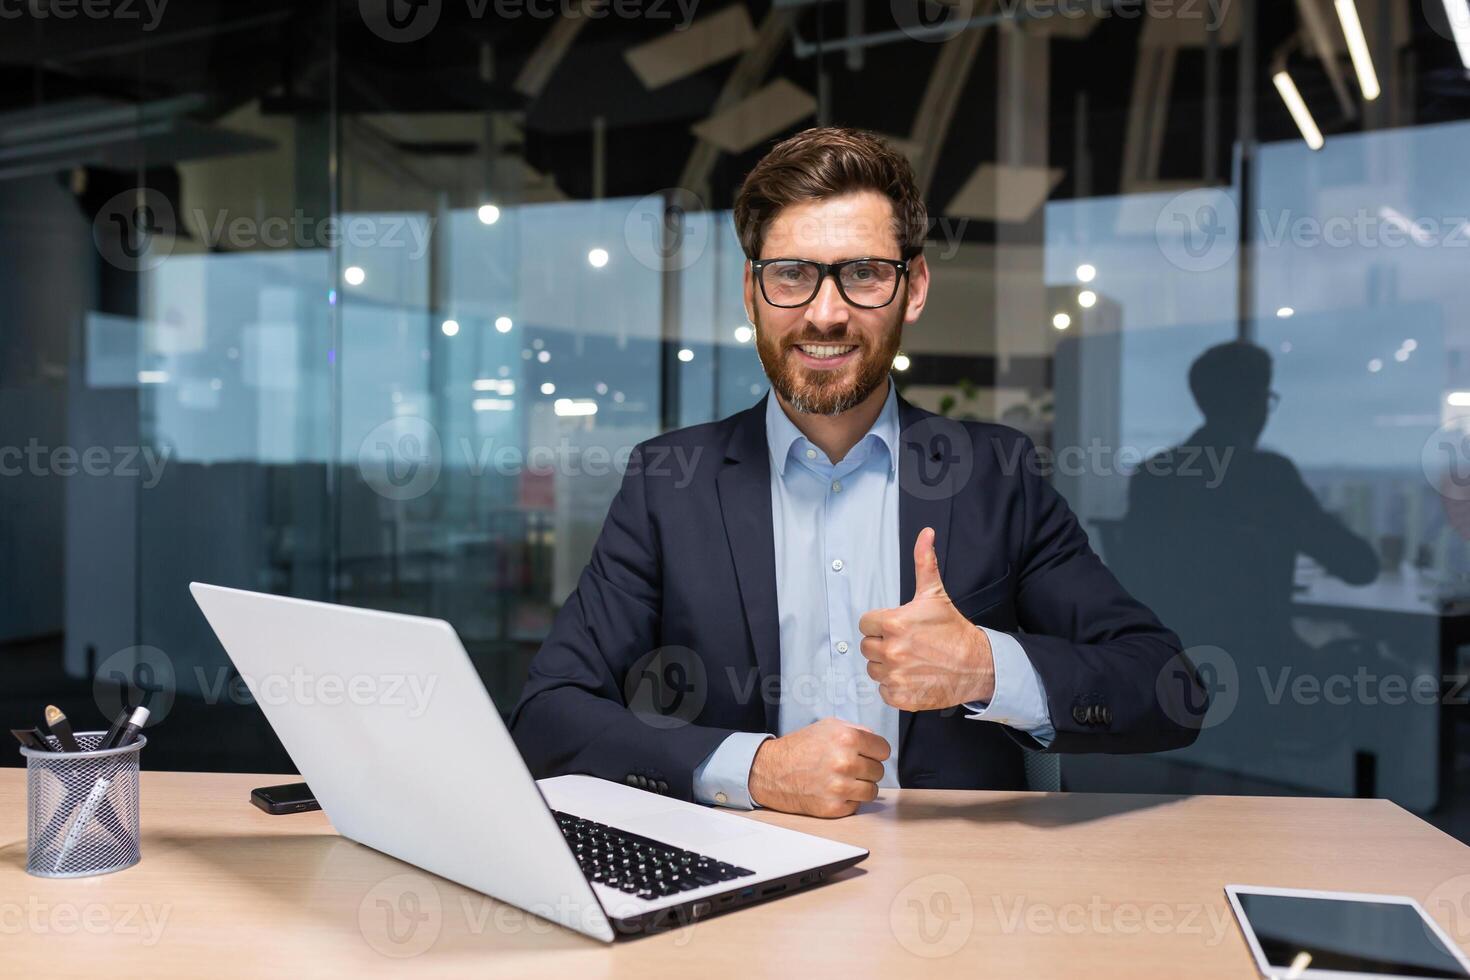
823,770
924,654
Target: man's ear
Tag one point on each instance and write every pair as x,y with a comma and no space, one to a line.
749,292
918,292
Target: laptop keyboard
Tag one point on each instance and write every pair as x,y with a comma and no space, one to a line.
639,865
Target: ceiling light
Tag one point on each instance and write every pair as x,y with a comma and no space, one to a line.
493,404
597,258
547,388
1352,29
544,356
353,275
1298,109
743,334
1086,272
1061,321
1459,399
901,362
1375,365
1087,299
1458,11
1286,312
686,355
503,324
488,214
450,327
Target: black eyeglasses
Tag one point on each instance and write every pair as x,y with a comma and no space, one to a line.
868,283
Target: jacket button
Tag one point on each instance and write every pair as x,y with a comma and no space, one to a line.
1107,714
632,779
663,787
1079,715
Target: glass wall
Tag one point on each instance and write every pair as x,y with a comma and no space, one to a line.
369,302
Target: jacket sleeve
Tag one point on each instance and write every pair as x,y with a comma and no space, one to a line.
1115,679
603,652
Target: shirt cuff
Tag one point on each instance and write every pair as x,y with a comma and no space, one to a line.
723,778
1020,699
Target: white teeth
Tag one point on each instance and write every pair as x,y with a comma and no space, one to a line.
825,350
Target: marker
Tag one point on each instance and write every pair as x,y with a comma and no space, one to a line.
61,728
132,728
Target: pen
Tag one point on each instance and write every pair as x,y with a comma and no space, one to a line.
131,729
110,739
61,728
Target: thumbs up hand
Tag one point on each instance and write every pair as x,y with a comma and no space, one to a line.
924,654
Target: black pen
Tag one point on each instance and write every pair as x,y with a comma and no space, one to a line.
132,728
110,739
61,728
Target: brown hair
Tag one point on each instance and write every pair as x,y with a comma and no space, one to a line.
824,162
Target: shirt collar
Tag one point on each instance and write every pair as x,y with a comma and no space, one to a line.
782,434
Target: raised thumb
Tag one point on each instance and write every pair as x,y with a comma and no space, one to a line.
926,566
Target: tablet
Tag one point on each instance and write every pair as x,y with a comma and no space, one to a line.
1313,934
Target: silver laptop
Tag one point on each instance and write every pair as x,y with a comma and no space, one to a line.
386,719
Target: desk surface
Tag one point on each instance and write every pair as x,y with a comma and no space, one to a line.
1016,884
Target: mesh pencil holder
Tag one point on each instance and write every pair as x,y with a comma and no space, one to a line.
82,812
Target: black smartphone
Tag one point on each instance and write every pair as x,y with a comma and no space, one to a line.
290,798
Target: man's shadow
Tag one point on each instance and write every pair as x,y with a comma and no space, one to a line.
1214,529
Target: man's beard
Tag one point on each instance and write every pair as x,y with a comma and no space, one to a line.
815,392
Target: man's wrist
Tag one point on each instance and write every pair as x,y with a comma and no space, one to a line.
984,660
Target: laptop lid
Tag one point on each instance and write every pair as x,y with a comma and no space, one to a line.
386,718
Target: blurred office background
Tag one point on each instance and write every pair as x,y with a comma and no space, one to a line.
368,301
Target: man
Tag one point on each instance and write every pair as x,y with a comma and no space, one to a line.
847,593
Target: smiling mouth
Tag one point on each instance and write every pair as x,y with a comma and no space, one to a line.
824,352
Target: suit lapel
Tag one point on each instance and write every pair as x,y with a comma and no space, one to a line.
744,487
927,482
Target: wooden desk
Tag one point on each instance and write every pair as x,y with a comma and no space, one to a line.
1014,884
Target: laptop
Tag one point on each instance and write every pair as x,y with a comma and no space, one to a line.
386,718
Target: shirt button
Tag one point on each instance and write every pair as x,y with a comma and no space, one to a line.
842,646
811,454
836,564
836,486
721,798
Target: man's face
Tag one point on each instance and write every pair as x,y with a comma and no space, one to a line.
827,356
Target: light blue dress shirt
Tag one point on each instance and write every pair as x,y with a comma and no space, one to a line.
837,556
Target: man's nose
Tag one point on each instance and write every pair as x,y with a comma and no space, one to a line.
827,309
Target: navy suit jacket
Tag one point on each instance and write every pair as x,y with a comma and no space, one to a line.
681,590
